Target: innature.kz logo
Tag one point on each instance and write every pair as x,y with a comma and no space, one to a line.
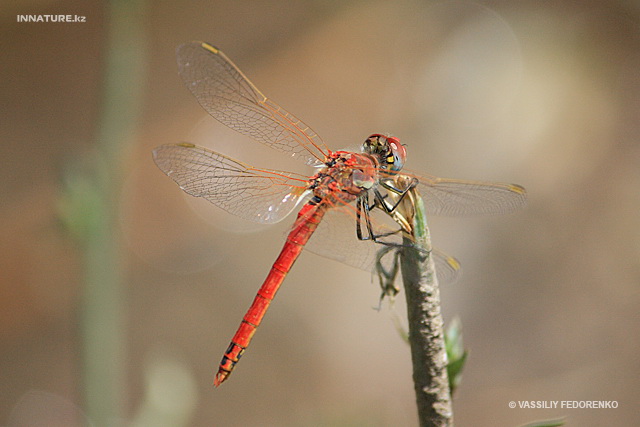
51,18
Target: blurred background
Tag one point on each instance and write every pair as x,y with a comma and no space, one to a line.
119,294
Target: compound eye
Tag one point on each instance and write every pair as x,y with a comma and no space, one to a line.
397,155
375,145
375,137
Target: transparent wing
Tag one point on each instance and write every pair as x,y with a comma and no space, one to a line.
456,197
335,238
259,195
224,91
448,269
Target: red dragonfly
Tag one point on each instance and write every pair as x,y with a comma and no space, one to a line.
353,192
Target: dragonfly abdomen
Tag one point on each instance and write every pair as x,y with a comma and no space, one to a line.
308,219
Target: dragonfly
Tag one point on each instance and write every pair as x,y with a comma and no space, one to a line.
346,200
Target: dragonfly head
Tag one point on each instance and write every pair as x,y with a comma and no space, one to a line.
387,149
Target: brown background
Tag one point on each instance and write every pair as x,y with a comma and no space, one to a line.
542,93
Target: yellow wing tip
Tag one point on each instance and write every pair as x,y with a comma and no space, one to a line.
209,47
517,189
453,263
185,145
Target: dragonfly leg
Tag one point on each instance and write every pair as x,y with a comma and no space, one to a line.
401,193
387,277
362,210
359,207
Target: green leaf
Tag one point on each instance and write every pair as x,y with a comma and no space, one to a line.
546,423
456,354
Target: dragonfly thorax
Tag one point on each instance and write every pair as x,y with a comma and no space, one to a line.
387,149
345,176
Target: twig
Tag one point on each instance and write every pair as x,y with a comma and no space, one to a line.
90,207
426,327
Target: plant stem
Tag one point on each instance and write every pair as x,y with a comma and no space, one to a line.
426,327
102,324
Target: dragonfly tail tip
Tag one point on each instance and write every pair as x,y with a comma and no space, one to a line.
221,376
